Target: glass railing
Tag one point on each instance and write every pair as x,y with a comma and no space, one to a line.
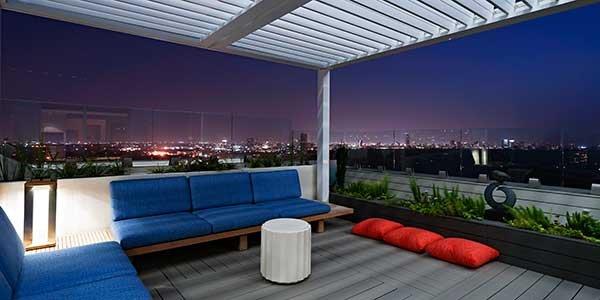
84,132
557,157
67,123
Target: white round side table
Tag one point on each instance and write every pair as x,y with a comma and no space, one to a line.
285,250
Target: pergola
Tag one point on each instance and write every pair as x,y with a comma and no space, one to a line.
321,35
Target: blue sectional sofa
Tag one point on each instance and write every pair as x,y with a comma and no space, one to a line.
100,271
161,210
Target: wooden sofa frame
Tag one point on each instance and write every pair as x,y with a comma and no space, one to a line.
242,234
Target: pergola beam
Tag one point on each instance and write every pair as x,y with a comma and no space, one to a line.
323,96
262,13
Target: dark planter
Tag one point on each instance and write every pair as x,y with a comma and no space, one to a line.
571,259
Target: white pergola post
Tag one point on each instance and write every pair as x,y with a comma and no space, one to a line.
323,135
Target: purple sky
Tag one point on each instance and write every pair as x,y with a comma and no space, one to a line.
539,73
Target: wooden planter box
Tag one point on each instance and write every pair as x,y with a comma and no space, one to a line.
571,259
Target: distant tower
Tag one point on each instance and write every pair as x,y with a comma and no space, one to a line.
303,138
407,139
303,147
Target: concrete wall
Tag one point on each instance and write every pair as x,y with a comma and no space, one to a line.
83,204
552,200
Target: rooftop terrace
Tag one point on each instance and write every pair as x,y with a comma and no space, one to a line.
321,35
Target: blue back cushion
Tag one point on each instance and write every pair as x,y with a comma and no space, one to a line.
218,190
11,251
149,197
275,185
6,290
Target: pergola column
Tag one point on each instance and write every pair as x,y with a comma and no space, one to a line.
323,135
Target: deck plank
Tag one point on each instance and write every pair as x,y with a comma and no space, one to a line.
493,286
345,284
518,287
588,293
354,289
565,290
376,292
480,277
541,289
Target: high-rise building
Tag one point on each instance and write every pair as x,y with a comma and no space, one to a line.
303,137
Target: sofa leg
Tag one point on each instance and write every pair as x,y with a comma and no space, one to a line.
243,244
320,226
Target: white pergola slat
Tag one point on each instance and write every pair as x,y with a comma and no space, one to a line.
313,34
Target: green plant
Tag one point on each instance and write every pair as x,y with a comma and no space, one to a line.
584,222
446,202
195,165
68,170
530,217
375,190
579,225
264,161
116,169
416,190
341,156
473,208
41,173
161,170
90,169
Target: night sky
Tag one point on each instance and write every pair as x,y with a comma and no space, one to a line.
541,73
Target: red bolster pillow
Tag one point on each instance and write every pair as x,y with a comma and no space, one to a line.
375,228
462,252
411,238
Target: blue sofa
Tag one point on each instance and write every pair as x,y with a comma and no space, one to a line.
99,271
159,210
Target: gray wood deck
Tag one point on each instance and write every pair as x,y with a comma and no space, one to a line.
344,266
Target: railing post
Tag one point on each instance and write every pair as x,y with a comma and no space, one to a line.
323,135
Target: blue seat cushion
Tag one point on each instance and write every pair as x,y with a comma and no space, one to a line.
235,217
149,197
5,288
146,231
11,251
50,271
296,208
117,288
275,185
216,190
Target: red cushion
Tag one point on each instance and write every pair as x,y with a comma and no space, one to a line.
412,239
375,228
462,252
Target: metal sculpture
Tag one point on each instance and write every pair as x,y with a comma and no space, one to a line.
499,211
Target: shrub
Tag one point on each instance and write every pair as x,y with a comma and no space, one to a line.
531,218
377,190
73,170
195,165
264,161
445,202
584,222
579,225
69,170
